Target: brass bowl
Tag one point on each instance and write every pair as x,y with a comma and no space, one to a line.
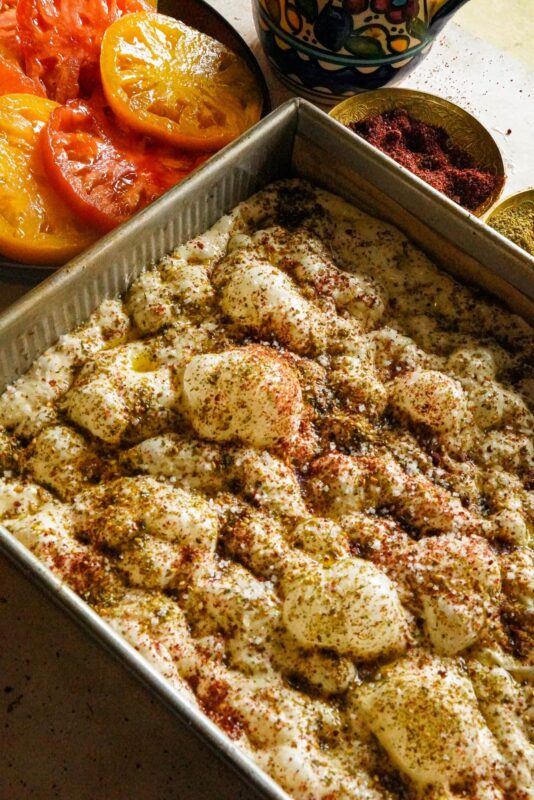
464,130
512,201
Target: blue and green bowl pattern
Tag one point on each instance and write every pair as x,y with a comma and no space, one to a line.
329,49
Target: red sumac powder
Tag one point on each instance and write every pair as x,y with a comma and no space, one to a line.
427,151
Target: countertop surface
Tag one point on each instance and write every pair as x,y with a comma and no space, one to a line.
74,724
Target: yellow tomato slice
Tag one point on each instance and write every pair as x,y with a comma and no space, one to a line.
173,82
36,227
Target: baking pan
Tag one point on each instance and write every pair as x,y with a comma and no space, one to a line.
297,139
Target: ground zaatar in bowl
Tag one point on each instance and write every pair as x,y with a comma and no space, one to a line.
517,224
428,152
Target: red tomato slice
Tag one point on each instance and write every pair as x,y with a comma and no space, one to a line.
105,173
9,38
14,81
61,39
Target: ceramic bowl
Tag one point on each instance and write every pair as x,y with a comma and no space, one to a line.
464,130
326,50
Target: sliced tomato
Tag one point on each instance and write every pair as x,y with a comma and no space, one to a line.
36,225
168,80
107,173
9,38
14,80
61,40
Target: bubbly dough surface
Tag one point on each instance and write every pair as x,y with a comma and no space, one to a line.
294,468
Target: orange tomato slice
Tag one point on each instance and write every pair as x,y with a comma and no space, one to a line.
9,38
36,226
14,80
170,81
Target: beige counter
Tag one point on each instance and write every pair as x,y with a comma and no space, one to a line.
75,725
509,25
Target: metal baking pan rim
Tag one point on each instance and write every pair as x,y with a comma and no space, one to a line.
104,247
523,279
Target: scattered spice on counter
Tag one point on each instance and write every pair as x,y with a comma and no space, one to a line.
428,152
517,224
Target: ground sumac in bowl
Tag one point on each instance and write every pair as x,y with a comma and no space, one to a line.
428,152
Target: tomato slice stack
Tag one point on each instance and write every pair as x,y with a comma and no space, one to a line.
36,225
104,106
106,172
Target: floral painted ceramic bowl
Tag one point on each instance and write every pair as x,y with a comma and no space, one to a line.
327,50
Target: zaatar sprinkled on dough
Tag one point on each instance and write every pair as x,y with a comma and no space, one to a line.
293,468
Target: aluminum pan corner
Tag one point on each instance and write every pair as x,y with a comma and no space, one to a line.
68,297
344,152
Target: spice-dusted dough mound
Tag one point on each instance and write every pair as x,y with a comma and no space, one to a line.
259,297
250,394
424,712
119,390
115,512
351,608
430,398
30,403
468,568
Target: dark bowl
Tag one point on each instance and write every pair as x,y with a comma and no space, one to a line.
198,14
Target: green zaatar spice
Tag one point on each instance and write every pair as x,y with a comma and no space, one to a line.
517,224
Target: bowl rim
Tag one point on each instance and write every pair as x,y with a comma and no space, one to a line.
399,96
511,201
